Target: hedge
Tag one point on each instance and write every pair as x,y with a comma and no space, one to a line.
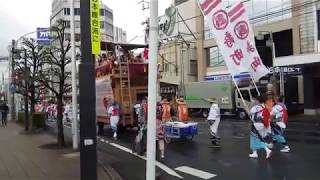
38,120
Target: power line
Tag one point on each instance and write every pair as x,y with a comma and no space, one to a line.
295,8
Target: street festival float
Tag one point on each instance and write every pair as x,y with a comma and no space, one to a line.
121,77
124,78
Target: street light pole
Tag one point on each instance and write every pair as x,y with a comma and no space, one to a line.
274,75
270,43
12,103
87,92
74,82
152,91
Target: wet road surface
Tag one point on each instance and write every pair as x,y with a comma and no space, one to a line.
195,159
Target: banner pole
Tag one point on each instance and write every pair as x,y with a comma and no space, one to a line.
254,83
243,101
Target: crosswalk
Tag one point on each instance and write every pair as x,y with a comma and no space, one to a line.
195,172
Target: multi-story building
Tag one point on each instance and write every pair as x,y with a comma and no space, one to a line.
178,51
120,35
4,77
61,11
294,28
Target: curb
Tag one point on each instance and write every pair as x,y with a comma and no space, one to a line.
110,171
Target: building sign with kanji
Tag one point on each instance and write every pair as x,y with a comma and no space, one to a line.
95,26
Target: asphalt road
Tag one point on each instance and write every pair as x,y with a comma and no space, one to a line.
196,159
229,162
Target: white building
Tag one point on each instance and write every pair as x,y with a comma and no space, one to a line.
120,35
4,76
61,11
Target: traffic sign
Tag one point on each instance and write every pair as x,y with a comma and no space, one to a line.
43,36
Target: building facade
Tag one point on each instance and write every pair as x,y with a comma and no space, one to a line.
4,77
178,48
120,35
294,28
61,11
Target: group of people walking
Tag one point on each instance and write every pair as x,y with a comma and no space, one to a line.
269,118
269,121
165,111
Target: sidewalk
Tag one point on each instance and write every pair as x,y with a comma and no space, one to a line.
34,157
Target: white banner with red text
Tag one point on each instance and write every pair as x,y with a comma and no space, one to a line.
234,36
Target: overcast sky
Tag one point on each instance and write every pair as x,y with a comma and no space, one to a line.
18,17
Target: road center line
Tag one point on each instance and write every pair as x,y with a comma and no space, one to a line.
159,164
195,172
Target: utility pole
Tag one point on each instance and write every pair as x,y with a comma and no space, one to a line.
74,82
88,141
152,91
26,90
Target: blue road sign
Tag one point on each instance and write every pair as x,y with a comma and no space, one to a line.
43,36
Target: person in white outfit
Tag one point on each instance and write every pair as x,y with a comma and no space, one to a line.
214,121
259,128
66,113
114,113
279,118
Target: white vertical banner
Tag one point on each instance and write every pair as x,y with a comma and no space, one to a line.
244,37
235,37
219,24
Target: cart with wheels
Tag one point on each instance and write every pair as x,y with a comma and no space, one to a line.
179,130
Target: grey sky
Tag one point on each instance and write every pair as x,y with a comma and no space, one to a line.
18,17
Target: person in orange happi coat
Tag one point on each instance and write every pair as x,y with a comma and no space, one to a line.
166,108
182,110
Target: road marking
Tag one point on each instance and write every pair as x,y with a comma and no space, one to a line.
121,147
159,164
195,172
72,155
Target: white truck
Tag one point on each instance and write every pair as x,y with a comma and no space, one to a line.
224,92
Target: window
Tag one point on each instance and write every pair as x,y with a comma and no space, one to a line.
166,67
214,57
208,34
177,2
102,12
109,14
77,24
109,28
254,93
245,94
318,23
66,11
102,25
67,24
67,37
76,11
193,67
77,37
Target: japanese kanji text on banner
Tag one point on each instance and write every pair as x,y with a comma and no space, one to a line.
245,38
95,26
234,37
